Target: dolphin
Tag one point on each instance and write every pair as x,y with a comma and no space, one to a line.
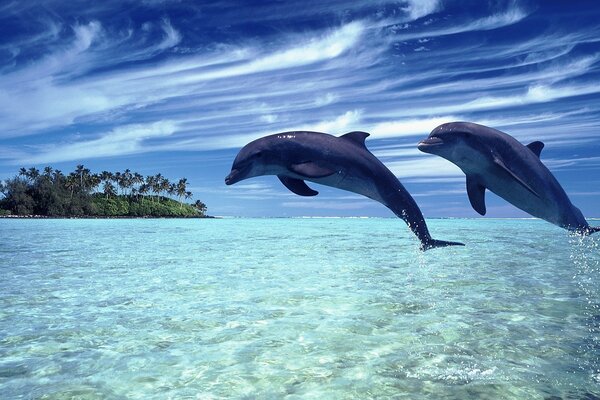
342,162
496,161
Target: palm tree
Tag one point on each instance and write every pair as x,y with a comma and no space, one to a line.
47,177
94,181
200,206
150,183
172,189
71,183
106,176
144,188
84,177
33,173
117,179
109,189
181,189
157,184
137,180
57,177
165,185
79,171
126,180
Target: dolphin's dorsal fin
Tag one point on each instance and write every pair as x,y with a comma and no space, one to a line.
498,161
356,137
310,169
476,192
297,186
536,147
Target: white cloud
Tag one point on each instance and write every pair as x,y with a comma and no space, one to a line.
552,74
252,190
534,94
408,127
33,99
509,17
435,179
425,166
253,186
411,151
580,162
47,105
495,21
419,8
307,52
328,204
268,118
441,192
341,124
85,35
346,122
325,99
120,141
63,60
172,36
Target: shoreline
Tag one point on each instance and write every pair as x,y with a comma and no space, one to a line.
34,216
99,217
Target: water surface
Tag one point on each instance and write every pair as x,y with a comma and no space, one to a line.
296,309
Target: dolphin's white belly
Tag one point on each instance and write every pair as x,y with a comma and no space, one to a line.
544,207
352,183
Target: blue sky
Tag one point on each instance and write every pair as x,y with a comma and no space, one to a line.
177,87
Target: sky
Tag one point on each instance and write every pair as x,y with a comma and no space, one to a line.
178,87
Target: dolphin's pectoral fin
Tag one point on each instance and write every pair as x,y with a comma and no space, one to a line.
297,186
357,137
498,161
310,169
536,147
476,192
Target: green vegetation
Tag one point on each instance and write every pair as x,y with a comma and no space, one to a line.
83,194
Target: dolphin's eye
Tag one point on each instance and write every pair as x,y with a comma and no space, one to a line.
258,155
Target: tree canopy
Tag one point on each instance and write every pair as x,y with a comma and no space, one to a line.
82,193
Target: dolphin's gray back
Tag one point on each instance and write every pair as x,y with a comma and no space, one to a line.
363,173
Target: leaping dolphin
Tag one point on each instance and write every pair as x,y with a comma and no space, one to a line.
343,162
496,161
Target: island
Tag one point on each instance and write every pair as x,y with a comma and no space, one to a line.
83,194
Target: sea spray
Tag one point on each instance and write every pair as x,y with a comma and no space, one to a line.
585,257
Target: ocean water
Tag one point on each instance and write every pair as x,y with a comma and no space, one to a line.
297,309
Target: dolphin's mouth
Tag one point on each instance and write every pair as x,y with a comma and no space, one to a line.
233,177
430,142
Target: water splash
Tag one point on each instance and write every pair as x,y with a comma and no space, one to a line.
585,256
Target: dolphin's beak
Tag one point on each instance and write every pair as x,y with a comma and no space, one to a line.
233,177
429,143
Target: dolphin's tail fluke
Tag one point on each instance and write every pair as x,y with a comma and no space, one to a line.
432,243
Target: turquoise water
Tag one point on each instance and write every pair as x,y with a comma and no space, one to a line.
297,309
